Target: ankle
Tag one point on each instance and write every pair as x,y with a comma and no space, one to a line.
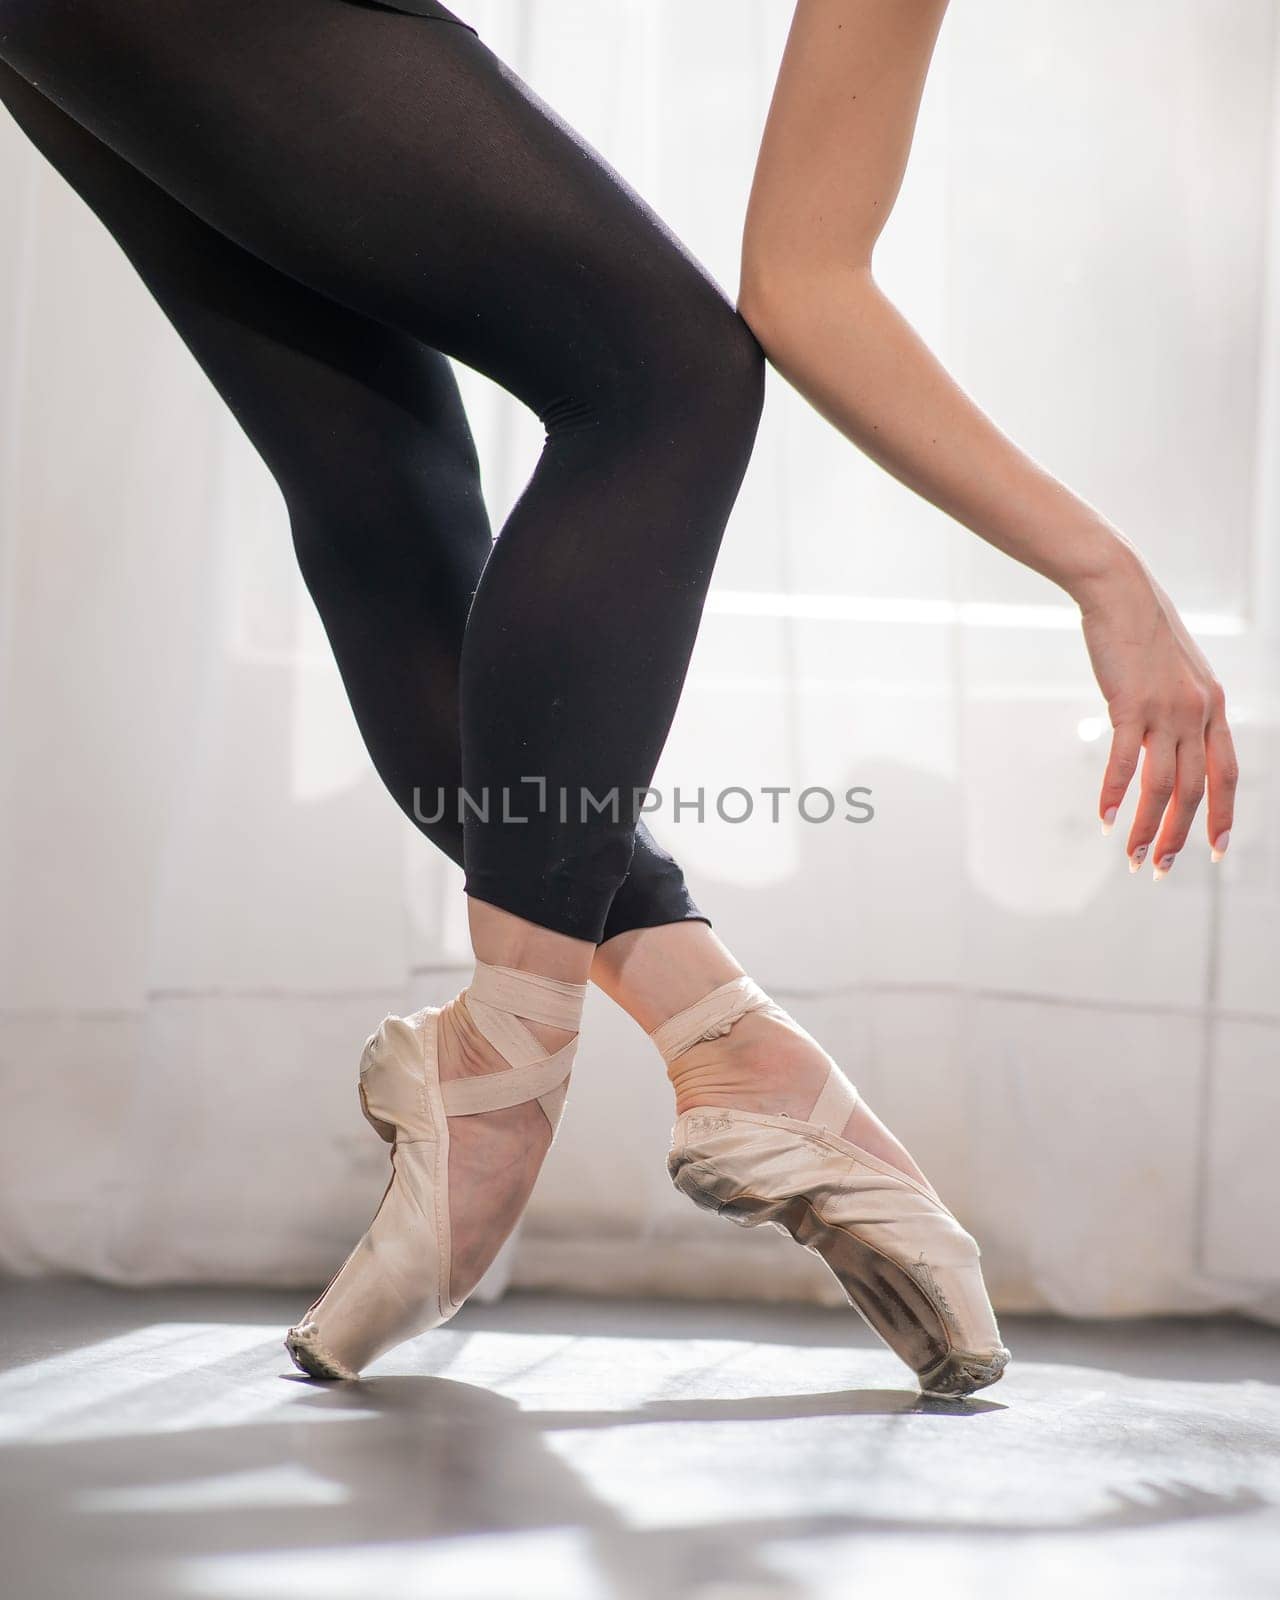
653,973
526,1000
464,1050
501,939
765,1062
703,1077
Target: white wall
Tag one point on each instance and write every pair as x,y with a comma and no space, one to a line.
195,947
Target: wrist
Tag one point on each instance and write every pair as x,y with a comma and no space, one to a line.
1101,561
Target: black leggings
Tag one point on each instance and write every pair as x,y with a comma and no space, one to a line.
323,196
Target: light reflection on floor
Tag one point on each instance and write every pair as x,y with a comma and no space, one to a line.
160,1444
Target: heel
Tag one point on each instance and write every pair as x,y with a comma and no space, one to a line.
384,1130
684,1180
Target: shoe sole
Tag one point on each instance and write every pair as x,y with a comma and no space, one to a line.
893,1304
961,1375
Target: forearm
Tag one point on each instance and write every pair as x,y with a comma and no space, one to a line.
833,334
830,166
831,163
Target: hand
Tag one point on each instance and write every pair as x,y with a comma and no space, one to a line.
1163,699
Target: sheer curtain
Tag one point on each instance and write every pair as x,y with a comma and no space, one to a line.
208,901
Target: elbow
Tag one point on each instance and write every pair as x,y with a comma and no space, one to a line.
768,287
761,305
785,292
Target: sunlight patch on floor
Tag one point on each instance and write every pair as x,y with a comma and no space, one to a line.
547,1564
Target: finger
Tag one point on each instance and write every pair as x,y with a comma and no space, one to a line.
1223,774
1122,763
1159,773
1188,791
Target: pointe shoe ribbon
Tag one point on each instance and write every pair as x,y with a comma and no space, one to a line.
497,998
713,1016
395,1283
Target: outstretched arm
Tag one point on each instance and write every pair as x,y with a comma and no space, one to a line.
831,164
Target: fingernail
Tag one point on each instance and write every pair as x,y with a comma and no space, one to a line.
1138,857
1109,819
1163,867
1220,845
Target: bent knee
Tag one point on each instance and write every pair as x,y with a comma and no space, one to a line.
718,392
703,371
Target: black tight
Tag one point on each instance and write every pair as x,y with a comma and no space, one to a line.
323,195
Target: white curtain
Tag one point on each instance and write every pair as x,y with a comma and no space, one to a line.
208,901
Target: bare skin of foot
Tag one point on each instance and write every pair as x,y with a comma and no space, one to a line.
769,1065
762,1064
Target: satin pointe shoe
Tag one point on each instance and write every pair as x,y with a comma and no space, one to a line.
904,1262
398,1281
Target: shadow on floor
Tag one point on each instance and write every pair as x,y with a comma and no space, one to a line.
143,1469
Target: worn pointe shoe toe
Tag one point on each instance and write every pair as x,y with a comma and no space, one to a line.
902,1259
397,1282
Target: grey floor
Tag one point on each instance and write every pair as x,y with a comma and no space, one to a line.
160,1444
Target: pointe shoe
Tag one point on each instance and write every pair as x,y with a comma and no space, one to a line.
904,1262
396,1283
